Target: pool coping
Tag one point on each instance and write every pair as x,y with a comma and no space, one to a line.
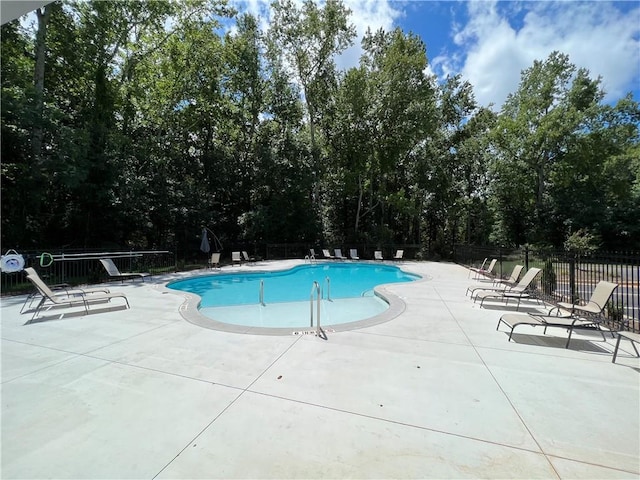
190,312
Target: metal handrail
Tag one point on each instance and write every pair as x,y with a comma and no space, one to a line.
316,287
262,293
328,280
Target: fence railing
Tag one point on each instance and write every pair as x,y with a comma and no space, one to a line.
365,250
83,267
572,277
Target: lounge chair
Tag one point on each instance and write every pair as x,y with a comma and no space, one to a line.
632,337
486,274
512,320
326,254
215,260
399,254
353,253
114,273
235,258
247,258
338,254
377,255
474,269
59,290
520,291
568,315
500,284
73,300
595,305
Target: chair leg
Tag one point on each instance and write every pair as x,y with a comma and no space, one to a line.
569,338
615,350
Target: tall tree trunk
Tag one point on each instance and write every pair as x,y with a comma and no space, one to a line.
43,15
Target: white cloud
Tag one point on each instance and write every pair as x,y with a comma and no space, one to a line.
374,14
595,35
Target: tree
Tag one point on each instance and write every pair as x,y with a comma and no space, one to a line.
309,38
537,128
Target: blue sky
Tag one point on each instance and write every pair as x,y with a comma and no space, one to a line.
491,42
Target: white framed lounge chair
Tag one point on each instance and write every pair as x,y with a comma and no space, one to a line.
235,258
247,258
353,253
214,262
377,255
114,273
338,254
326,254
60,290
519,292
398,256
50,299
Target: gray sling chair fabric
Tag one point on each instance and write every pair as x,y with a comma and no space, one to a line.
50,299
568,315
519,292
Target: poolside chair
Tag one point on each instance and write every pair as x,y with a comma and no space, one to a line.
353,253
247,258
474,269
512,320
114,273
632,337
235,258
595,305
520,291
568,315
399,254
215,260
338,254
59,290
377,255
486,274
500,284
50,299
326,254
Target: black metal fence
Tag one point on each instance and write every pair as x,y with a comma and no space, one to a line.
83,267
572,277
365,250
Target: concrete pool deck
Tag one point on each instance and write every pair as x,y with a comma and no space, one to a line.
435,393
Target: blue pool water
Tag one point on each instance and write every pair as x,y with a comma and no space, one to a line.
234,298
346,280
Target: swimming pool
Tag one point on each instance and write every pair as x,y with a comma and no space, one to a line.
281,299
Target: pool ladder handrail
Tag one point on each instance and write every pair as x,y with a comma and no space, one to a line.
328,282
262,293
316,287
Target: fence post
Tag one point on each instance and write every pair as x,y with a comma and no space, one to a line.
572,278
526,258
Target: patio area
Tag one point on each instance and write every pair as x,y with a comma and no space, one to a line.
435,393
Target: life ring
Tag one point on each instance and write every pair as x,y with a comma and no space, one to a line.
11,262
49,259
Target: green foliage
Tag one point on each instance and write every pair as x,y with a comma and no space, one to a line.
549,278
583,242
151,122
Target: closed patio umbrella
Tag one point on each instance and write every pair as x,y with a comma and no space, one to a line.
204,245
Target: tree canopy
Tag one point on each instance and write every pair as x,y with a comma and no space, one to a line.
133,124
